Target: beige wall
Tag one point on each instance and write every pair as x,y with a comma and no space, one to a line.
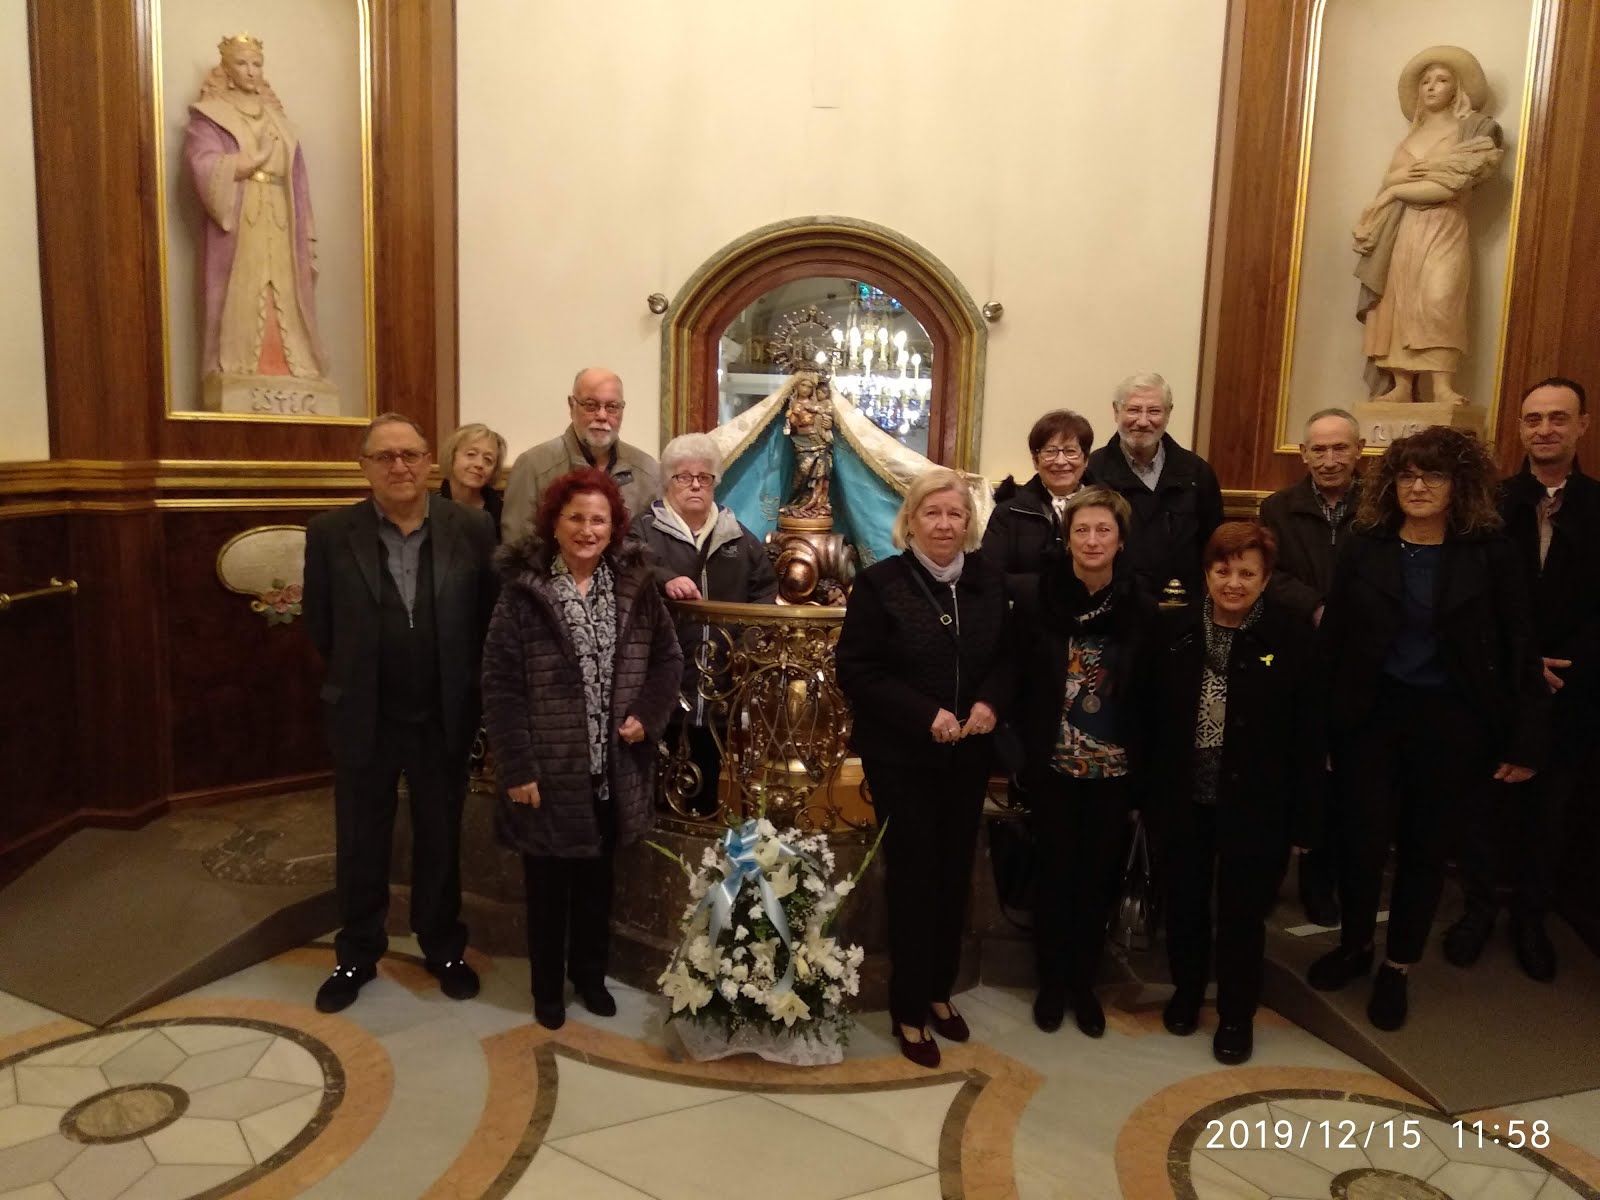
1056,157
24,414
1365,44
312,60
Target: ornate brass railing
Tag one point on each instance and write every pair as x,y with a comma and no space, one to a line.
772,702
58,587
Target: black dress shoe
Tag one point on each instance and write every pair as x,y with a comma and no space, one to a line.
1182,1014
1233,1043
925,1053
1464,941
597,1000
1050,1008
1535,953
552,1015
1387,1008
1087,1014
1338,967
952,1028
456,979
339,990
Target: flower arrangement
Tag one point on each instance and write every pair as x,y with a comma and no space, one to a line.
758,969
280,603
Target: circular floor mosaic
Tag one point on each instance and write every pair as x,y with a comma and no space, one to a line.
181,1108
1309,1144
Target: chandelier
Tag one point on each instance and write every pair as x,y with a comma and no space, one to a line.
869,358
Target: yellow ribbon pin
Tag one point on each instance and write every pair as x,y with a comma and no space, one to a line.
1267,659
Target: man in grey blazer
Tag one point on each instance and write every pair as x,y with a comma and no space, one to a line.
398,593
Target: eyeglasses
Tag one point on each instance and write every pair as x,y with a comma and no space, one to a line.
612,408
688,479
388,458
1064,453
1432,480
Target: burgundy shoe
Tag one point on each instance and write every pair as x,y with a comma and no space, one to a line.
952,1028
924,1053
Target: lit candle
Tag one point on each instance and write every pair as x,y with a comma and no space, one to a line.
866,361
916,366
900,341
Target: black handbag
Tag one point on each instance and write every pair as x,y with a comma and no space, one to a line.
1134,927
1015,859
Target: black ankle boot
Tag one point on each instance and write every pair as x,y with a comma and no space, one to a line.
1464,941
1536,954
1387,1008
1338,967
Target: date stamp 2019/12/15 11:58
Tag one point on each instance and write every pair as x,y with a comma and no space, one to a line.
1393,1133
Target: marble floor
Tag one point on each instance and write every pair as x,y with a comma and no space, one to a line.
242,1089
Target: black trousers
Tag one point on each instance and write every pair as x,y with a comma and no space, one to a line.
1406,777
1246,887
364,801
704,754
1081,830
1318,870
1514,842
569,916
933,814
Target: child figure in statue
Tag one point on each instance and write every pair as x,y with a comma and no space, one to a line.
809,425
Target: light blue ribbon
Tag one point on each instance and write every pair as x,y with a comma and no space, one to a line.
739,865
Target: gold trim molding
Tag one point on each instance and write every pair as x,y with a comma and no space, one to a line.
93,475
368,232
1542,19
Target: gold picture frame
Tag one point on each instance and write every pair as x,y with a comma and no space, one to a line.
1542,19
368,300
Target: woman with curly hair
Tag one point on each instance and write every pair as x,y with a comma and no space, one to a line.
581,670
1428,644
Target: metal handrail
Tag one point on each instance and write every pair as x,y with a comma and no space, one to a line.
57,587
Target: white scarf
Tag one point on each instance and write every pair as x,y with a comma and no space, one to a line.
945,575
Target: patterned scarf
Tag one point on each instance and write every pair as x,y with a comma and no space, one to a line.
592,625
1211,716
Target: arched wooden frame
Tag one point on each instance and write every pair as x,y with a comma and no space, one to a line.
753,265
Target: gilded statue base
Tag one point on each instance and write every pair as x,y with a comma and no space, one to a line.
814,564
1382,422
270,395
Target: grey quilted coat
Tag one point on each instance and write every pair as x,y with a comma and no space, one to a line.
533,705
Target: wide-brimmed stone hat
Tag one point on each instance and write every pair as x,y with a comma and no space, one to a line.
1463,65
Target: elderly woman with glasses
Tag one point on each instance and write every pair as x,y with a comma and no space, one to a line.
470,461
700,551
1436,688
1027,518
925,663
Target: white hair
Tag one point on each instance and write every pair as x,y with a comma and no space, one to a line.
1144,381
932,480
688,448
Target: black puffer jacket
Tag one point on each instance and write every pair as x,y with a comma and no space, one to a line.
534,712
1022,528
899,664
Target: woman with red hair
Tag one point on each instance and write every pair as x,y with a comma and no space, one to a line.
1237,779
580,672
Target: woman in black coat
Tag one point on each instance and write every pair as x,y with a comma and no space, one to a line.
1083,715
923,661
581,669
1435,687
1026,520
700,551
1238,777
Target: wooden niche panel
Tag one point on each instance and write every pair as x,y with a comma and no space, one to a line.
38,715
245,707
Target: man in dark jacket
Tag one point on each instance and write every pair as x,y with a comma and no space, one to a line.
1552,514
1176,500
1311,520
398,593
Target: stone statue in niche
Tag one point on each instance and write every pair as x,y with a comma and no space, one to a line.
262,351
808,424
1413,243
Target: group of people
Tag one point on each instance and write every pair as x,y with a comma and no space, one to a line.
541,609
1402,661
1255,690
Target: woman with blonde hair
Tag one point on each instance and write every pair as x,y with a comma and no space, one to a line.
470,461
923,659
